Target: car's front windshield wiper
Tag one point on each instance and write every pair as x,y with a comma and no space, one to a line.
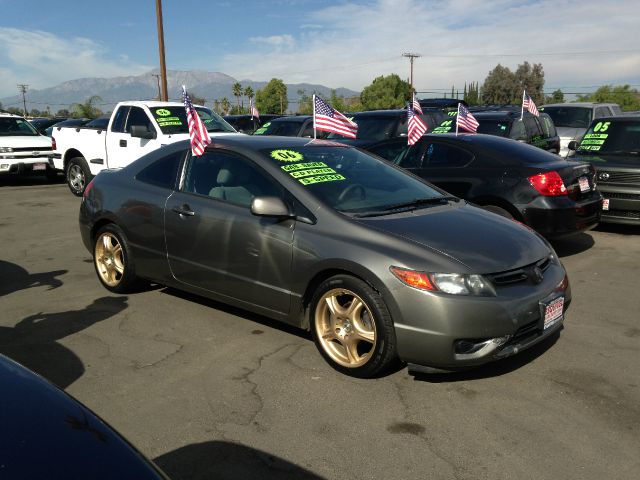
410,205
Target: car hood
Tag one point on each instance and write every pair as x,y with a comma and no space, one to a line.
481,241
604,160
570,132
19,141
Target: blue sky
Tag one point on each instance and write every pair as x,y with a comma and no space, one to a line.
581,44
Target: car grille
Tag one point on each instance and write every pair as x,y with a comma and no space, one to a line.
622,196
619,177
33,149
622,213
520,274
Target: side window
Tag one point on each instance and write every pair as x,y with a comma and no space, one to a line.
518,132
137,116
412,157
119,119
228,177
547,125
162,172
307,131
403,129
601,112
532,127
439,155
389,150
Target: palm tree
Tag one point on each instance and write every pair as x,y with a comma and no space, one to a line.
248,92
88,108
237,92
226,105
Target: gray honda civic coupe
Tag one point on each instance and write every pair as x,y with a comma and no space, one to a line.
376,263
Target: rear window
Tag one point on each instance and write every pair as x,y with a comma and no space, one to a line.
284,128
494,127
574,117
373,127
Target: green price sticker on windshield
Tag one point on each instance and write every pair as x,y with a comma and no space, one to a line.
163,112
286,155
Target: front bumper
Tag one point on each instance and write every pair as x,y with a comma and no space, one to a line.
624,205
22,165
433,325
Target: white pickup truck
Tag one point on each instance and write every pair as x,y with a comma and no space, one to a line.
134,129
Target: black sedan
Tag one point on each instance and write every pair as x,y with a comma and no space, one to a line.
612,146
375,262
552,195
44,433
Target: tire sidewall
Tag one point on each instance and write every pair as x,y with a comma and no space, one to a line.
82,164
384,350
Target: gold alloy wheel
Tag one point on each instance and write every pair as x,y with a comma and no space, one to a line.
345,328
109,259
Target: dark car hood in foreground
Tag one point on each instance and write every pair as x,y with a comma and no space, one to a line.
604,160
46,434
482,241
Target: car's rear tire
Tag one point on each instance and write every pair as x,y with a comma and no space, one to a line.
113,260
352,327
498,210
78,175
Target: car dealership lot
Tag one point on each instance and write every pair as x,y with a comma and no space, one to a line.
211,391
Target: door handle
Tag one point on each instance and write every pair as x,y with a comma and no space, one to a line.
184,210
123,143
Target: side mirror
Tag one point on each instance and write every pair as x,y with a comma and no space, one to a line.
142,131
269,207
573,145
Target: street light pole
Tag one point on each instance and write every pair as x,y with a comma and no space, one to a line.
163,67
23,89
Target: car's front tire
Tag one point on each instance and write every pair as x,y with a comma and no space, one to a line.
78,175
352,327
113,260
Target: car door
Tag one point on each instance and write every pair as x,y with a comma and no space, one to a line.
216,244
122,148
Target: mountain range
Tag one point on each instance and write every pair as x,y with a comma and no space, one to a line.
208,85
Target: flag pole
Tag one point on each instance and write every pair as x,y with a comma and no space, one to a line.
524,92
313,99
457,119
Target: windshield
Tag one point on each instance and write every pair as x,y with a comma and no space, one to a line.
349,180
574,117
173,120
372,127
611,137
494,127
16,127
284,128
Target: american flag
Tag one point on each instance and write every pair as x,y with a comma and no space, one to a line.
415,104
197,130
416,126
328,119
254,110
466,120
527,104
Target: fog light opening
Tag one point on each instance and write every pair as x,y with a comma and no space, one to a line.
468,349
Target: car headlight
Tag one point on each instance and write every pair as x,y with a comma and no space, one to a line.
6,149
452,283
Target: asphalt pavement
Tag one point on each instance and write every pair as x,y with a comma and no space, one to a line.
208,391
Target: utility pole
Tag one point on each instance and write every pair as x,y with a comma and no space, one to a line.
23,89
411,56
163,67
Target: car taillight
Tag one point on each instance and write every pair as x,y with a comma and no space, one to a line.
88,188
53,143
549,184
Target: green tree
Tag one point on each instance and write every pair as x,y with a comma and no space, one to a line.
249,93
196,100
628,98
305,106
386,92
337,101
472,94
237,92
36,113
530,78
273,97
87,109
556,97
216,106
225,104
502,86
63,112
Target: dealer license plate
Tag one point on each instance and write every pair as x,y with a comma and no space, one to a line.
39,166
605,204
584,184
553,312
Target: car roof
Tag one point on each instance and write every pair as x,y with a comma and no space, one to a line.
260,142
618,118
7,114
580,104
292,118
380,113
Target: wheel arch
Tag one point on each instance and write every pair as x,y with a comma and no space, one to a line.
498,202
68,155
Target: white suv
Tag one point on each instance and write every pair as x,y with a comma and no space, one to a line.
22,148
